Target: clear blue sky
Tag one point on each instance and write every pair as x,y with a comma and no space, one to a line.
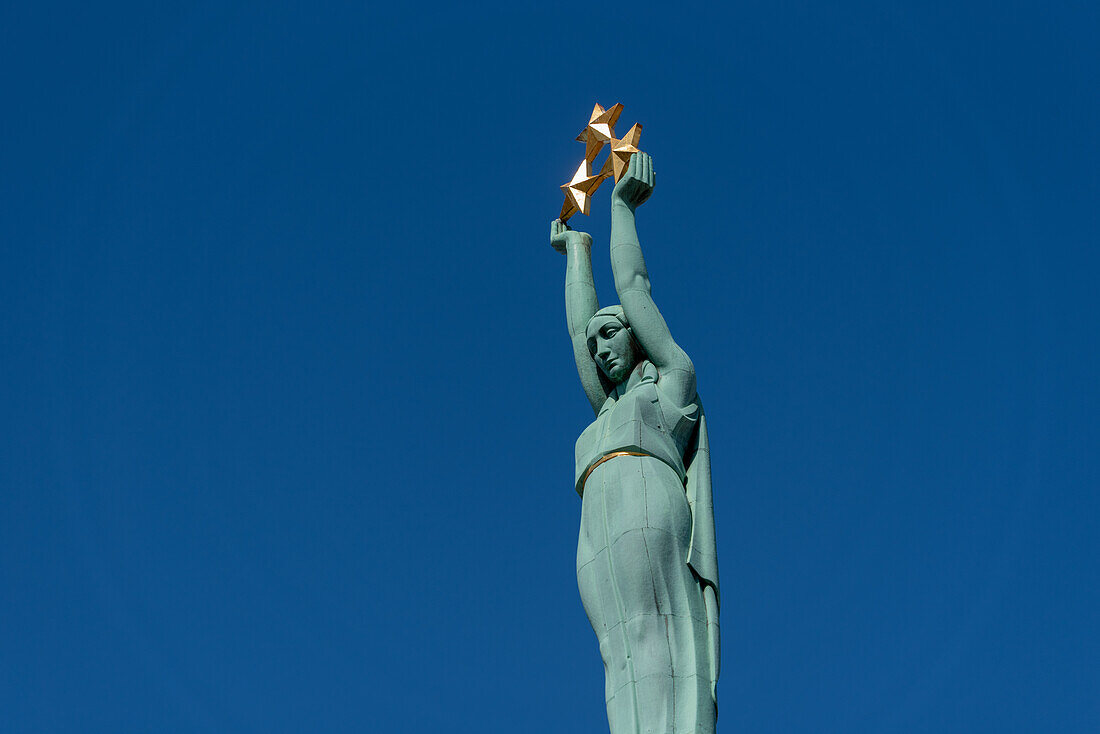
287,407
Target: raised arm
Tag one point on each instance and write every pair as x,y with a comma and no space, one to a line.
580,304
677,374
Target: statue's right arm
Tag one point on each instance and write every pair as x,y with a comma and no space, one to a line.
580,304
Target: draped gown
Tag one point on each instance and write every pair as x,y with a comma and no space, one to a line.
642,598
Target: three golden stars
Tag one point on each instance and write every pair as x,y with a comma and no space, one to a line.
599,131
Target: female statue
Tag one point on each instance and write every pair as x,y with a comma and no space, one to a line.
646,558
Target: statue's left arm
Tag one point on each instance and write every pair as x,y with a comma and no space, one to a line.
632,283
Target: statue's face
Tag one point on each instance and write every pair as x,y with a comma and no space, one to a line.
615,351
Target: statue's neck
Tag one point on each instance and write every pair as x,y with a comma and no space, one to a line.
632,379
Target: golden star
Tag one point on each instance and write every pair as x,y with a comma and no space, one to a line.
579,190
621,150
600,130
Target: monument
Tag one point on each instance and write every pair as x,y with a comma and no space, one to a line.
647,564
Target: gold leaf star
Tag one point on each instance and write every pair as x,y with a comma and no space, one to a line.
579,190
621,150
600,130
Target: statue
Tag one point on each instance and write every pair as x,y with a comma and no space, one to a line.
647,564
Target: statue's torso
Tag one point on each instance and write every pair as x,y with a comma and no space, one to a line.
641,419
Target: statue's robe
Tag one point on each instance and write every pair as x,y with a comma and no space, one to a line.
647,564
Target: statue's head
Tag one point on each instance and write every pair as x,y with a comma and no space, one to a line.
612,343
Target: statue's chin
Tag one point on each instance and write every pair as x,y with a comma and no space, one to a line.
619,374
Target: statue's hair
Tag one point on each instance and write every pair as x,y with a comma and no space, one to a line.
615,310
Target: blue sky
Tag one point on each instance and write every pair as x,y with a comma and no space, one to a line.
287,406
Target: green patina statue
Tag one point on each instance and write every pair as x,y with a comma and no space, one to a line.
647,564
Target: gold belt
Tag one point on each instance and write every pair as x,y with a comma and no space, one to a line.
608,457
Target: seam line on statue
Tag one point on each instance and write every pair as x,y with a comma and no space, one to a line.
676,615
668,639
591,560
645,677
658,674
653,675
623,534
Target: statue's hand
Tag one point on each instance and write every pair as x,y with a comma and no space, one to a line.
562,238
637,183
